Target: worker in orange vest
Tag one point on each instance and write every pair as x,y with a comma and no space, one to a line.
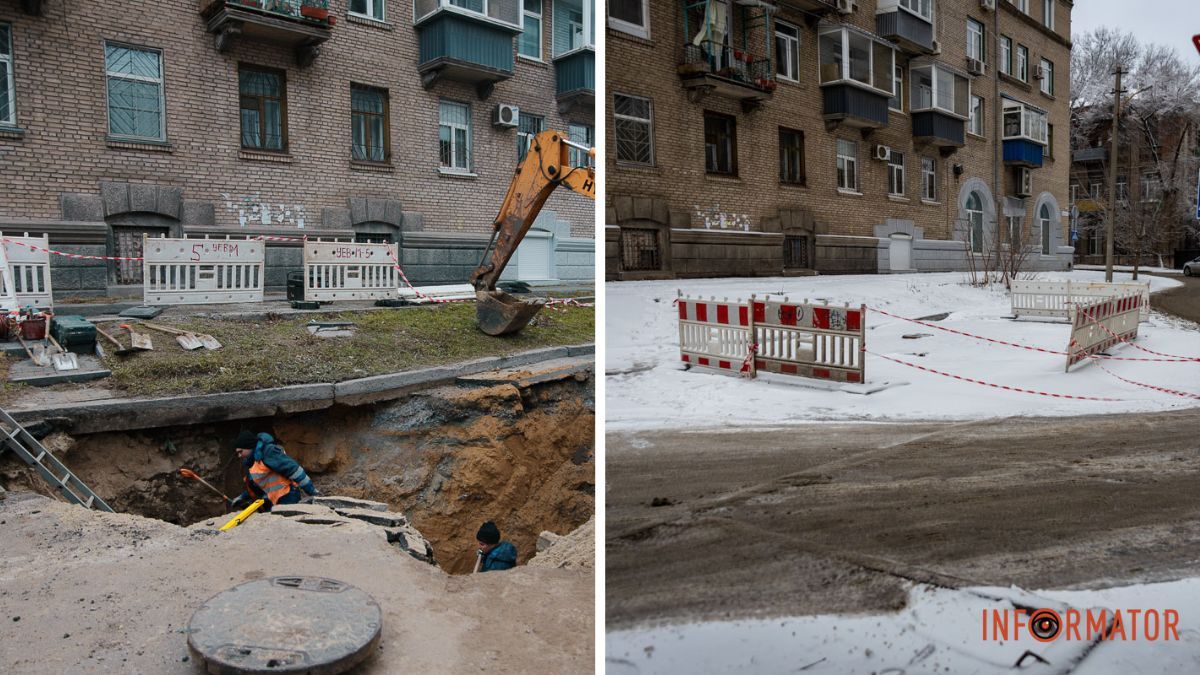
270,474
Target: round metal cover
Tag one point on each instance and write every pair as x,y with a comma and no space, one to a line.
285,625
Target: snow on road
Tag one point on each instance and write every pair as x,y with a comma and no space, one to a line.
939,631
647,388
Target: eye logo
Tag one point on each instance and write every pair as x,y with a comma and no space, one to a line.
1045,625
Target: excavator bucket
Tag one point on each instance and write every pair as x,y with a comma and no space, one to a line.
499,313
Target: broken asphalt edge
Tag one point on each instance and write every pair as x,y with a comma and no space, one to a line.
125,414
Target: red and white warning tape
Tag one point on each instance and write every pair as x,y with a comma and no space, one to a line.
992,384
1170,359
77,256
1175,392
750,352
398,268
1175,357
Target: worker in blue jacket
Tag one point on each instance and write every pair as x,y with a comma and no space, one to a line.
270,474
493,553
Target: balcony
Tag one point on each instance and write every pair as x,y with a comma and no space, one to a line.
911,32
856,70
468,41
1023,152
854,106
299,24
938,129
712,68
1090,155
938,103
575,74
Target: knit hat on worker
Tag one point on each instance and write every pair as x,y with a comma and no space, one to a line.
246,439
488,533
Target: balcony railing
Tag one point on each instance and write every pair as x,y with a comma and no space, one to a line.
575,79
710,58
300,24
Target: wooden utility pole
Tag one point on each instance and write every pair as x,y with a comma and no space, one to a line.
1112,179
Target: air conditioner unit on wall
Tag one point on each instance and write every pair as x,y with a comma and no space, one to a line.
975,66
883,152
845,6
988,4
1024,182
505,115
1039,73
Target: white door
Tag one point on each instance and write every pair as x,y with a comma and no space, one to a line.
534,257
900,253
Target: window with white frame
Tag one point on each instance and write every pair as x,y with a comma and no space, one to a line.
847,165
1045,224
929,179
529,42
1151,188
1024,122
1022,63
508,12
8,108
633,128
896,174
454,135
1046,71
922,8
370,9
896,102
1022,5
1006,63
583,134
853,56
935,87
974,209
787,51
528,126
571,27
135,92
1048,14
1096,190
975,45
1122,190
1074,194
630,16
976,124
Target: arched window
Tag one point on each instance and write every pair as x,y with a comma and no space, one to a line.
1044,221
975,217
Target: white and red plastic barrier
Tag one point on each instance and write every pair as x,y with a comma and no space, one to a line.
28,269
1099,325
1055,298
202,271
349,271
806,340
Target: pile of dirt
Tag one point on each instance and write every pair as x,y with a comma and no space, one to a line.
577,549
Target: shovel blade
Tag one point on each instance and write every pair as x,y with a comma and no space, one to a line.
65,361
499,313
40,358
140,341
208,341
189,342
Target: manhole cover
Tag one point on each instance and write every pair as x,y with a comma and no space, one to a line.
285,625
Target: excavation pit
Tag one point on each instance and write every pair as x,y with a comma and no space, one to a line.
517,452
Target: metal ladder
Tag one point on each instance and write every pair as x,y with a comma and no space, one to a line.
55,472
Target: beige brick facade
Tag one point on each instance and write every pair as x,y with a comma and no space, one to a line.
742,220
59,147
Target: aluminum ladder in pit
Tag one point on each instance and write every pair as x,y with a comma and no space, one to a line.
29,449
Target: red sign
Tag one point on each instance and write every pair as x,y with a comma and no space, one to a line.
1196,41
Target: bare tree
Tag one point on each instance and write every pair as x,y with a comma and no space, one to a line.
1158,129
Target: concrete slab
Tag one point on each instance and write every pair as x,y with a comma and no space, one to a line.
142,312
296,510
539,373
339,502
25,372
381,518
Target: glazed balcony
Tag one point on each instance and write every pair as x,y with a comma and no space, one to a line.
856,71
1023,152
301,25
939,98
1090,155
575,76
468,41
711,68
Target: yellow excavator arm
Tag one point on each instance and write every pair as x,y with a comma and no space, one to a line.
545,167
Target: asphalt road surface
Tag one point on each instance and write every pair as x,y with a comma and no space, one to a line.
842,518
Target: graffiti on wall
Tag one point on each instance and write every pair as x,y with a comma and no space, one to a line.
252,210
716,219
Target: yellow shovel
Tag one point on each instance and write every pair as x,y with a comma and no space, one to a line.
241,517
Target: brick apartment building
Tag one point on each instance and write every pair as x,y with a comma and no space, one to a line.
1152,148
381,120
751,137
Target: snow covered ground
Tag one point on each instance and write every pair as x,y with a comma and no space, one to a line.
647,387
940,631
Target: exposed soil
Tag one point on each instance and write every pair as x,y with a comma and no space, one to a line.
840,518
448,458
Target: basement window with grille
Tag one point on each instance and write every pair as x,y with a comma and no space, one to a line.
795,252
639,250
